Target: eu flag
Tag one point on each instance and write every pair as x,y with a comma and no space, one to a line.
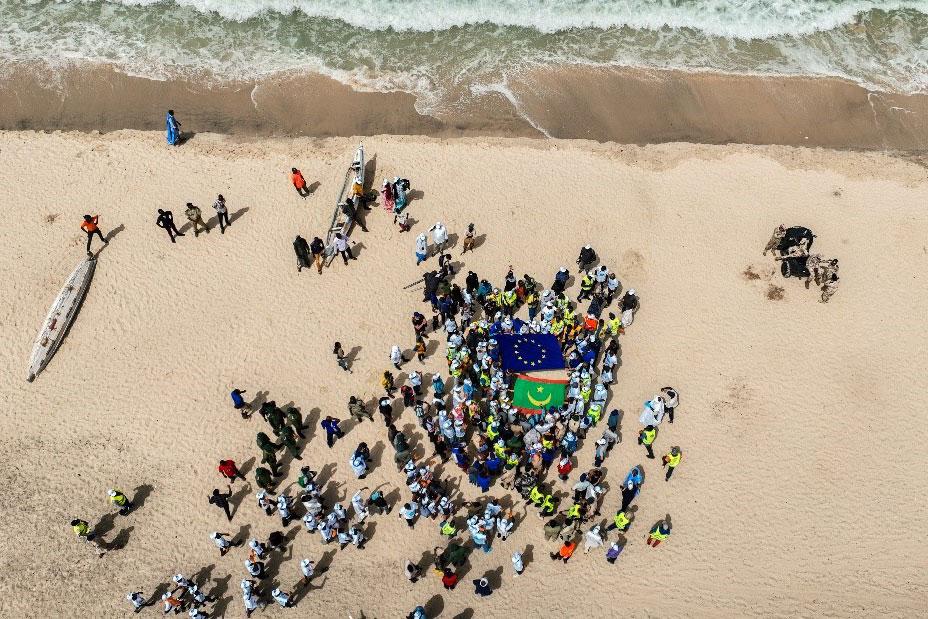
530,352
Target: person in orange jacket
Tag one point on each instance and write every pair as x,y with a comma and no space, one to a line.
299,182
566,551
90,227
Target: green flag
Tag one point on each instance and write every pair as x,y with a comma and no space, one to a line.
531,392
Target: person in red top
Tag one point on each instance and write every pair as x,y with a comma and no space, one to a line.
90,227
299,182
230,471
566,551
449,579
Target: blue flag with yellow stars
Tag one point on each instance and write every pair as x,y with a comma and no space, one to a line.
530,352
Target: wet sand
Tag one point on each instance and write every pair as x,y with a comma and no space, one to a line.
624,106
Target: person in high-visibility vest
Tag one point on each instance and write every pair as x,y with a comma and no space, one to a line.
536,496
621,521
671,460
646,437
121,501
659,532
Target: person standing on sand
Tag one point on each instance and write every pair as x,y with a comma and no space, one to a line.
301,249
357,410
830,287
566,551
340,357
222,213
195,217
166,220
221,501
121,501
230,471
295,419
646,437
422,248
671,460
342,247
468,239
332,431
239,403
317,248
89,226
85,534
138,601
172,128
397,357
659,532
296,177
351,212
222,543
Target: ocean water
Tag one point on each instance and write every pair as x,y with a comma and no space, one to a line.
445,51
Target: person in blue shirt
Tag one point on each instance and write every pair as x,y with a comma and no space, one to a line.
239,403
332,431
172,128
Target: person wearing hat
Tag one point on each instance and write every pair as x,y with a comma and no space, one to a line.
629,492
138,601
560,280
659,532
422,248
221,501
586,258
222,543
592,539
482,587
281,597
671,460
121,501
518,566
629,305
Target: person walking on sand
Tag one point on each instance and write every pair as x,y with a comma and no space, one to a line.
342,248
222,213
172,128
351,212
299,183
121,501
295,419
138,601
308,569
468,239
659,532
166,220
222,543
671,460
439,236
89,225
332,431
357,409
85,534
301,249
317,249
566,551
230,471
239,403
340,357
397,357
646,437
482,587
518,566
422,248
195,217
221,501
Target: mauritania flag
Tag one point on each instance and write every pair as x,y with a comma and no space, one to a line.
535,392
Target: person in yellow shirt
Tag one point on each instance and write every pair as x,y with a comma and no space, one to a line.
671,460
659,532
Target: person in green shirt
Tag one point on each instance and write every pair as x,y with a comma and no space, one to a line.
84,533
295,419
288,436
263,478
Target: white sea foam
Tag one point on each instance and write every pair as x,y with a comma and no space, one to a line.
745,19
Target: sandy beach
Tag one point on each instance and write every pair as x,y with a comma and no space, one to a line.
803,472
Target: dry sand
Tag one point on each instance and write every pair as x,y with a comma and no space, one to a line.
802,486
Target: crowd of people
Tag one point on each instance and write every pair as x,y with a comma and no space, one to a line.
469,420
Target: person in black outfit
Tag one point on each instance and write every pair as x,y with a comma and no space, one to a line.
472,282
351,212
317,247
222,501
166,220
301,248
587,258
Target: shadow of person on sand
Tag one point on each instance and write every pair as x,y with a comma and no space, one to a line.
141,494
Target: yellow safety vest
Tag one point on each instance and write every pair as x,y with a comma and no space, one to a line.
614,326
448,529
648,436
673,460
574,511
656,534
548,504
595,413
81,529
491,433
535,496
621,520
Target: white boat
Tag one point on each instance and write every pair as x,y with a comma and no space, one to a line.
60,316
352,186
